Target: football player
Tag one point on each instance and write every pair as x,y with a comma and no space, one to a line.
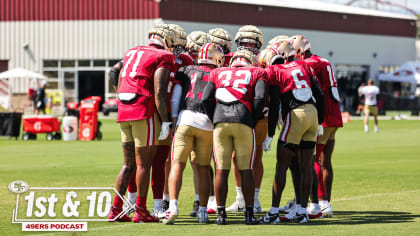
295,86
142,114
160,170
240,94
195,40
332,121
114,74
194,130
250,38
278,39
370,92
223,38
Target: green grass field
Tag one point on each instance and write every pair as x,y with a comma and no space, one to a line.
376,183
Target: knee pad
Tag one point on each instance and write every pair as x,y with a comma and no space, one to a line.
292,147
307,144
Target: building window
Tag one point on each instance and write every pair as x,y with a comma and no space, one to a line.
50,63
99,63
67,63
83,63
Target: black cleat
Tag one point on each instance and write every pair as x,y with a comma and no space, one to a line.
165,205
269,218
194,211
249,217
221,216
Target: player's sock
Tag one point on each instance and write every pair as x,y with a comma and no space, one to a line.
376,129
321,187
132,197
157,203
212,198
239,194
166,197
197,197
366,128
173,205
118,202
141,202
158,171
132,187
200,208
256,193
274,210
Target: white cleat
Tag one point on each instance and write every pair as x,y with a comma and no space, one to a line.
170,217
212,206
289,205
314,211
237,206
327,211
158,212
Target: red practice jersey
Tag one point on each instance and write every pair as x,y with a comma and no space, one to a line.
237,84
290,76
325,76
140,64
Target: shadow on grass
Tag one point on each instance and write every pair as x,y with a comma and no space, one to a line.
366,217
340,218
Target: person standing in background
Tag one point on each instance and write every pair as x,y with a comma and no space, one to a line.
361,99
370,92
40,98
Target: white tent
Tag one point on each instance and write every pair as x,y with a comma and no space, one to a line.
20,73
15,81
409,72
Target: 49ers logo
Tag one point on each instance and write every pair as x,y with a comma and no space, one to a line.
68,129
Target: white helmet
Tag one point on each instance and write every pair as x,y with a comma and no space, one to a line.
211,53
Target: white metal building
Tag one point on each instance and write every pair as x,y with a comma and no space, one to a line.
75,42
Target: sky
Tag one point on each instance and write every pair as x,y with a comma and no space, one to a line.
413,4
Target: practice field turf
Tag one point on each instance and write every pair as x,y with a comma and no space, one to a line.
376,183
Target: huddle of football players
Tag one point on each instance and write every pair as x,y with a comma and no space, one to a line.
190,97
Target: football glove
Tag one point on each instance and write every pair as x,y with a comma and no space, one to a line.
267,143
164,133
320,130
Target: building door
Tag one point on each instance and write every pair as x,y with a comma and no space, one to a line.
68,84
91,83
349,78
4,65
